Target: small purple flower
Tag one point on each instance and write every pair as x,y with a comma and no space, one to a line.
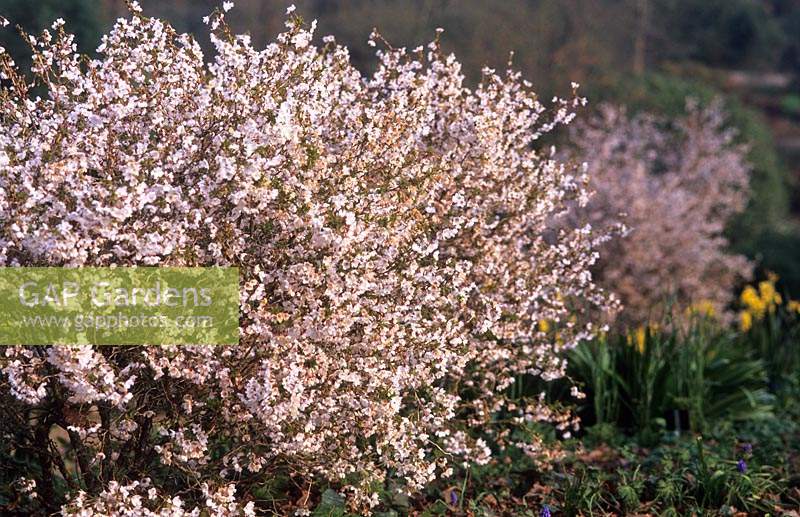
545,511
747,448
741,466
453,498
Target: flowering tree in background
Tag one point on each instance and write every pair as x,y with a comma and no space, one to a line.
675,185
394,253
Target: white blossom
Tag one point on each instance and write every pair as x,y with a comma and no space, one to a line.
393,235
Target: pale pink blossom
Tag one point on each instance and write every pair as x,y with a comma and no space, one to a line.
675,185
394,238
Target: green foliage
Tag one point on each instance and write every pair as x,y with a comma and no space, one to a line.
726,33
704,372
790,105
630,489
594,362
332,504
779,251
714,378
679,476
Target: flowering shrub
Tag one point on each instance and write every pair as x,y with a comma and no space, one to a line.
392,234
675,186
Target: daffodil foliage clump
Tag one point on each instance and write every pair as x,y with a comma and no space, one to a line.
393,235
675,185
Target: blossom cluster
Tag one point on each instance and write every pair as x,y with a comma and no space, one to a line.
758,302
395,244
674,185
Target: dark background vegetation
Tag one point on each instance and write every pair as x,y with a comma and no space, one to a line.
647,54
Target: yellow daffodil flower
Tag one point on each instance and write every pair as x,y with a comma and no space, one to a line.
745,321
641,335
